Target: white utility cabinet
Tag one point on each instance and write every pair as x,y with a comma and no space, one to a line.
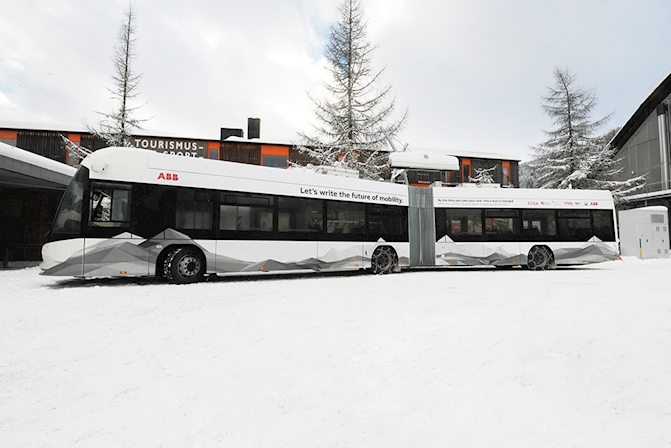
644,232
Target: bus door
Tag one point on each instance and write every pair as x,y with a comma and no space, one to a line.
421,227
460,236
109,249
341,242
502,237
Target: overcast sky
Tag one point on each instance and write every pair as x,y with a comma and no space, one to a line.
470,72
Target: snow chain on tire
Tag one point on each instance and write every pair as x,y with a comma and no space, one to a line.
166,264
540,258
384,260
184,265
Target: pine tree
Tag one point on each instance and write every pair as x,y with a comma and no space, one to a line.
117,127
353,120
528,178
573,157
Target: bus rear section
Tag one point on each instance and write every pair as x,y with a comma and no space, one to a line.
536,229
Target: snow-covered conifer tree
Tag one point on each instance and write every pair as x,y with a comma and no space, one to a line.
116,128
528,178
353,119
573,157
482,176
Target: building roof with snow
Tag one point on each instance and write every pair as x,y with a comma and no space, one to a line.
21,168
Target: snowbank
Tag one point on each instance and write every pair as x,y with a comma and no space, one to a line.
572,357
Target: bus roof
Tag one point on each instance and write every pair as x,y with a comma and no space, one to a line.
522,198
150,167
144,166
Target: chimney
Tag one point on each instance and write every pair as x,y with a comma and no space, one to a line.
228,132
253,128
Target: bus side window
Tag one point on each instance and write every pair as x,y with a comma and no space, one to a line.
110,205
604,229
539,224
464,224
194,210
245,212
345,217
574,225
502,225
388,220
300,215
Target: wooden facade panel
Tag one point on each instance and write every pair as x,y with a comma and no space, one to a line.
241,153
299,158
44,143
92,142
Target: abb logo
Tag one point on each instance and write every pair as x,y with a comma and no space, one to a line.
168,176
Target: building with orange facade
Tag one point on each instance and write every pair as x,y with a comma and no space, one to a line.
27,207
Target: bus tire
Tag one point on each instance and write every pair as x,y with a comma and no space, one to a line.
384,260
163,262
185,265
540,258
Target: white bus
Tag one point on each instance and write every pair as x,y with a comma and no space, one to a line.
132,212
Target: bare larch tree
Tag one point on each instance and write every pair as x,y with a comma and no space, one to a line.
117,127
356,115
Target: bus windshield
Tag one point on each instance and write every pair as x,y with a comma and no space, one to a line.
69,215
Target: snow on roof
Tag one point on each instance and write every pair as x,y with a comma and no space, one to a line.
22,155
466,153
54,127
81,129
60,127
447,152
257,141
422,160
650,208
650,195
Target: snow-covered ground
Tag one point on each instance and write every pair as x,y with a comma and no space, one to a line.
572,357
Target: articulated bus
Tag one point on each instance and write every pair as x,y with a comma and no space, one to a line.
133,212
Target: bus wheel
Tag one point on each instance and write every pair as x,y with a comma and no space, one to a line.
540,258
384,260
185,265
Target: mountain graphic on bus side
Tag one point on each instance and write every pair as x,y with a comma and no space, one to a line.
134,212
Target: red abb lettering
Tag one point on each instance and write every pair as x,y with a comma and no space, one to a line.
168,176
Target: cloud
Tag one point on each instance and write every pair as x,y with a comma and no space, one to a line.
471,73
